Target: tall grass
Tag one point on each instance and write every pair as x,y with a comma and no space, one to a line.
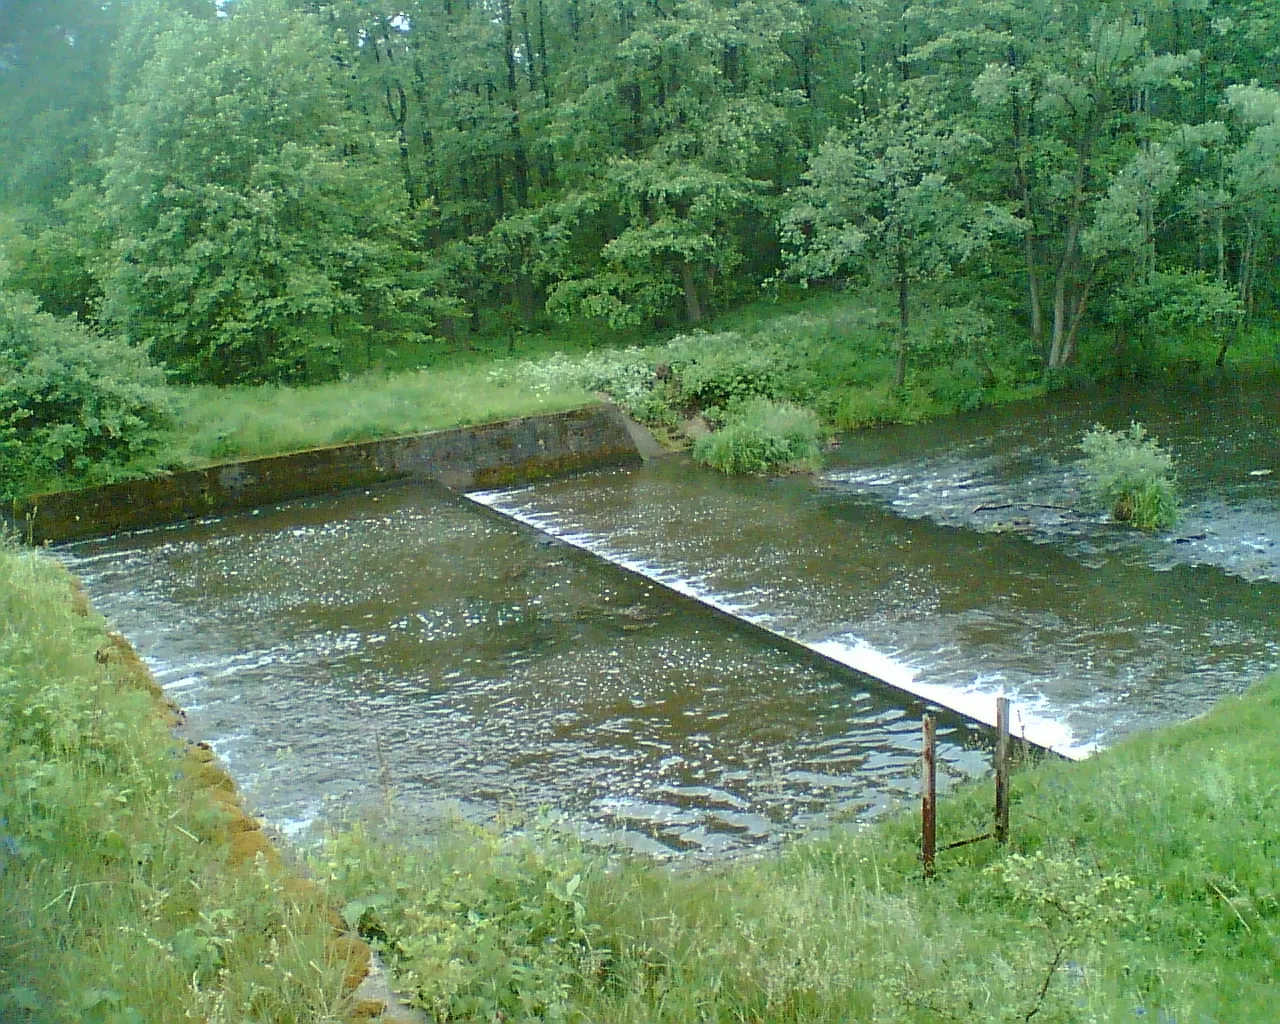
119,898
1142,885
244,422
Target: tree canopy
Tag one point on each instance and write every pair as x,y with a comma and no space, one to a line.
254,189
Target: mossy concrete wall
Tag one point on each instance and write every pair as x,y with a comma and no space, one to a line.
489,455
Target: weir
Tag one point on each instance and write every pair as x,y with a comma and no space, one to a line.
489,454
697,662
1036,732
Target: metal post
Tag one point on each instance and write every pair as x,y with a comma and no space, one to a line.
929,798
1002,770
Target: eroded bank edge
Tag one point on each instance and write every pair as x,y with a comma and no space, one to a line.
247,846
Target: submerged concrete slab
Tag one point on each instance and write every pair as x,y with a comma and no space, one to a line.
489,455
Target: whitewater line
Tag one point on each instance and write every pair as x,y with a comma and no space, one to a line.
976,703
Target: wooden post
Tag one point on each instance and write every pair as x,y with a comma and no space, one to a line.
1002,770
929,798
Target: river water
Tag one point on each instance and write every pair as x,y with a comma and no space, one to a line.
409,645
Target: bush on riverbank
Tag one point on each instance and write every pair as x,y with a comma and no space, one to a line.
760,436
73,404
1139,885
118,900
829,352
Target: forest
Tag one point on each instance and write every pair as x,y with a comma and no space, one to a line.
230,192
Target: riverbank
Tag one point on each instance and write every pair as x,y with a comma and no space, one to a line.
829,355
494,454
133,887
1139,885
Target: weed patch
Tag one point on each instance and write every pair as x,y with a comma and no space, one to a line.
1131,475
760,436
1140,884
119,901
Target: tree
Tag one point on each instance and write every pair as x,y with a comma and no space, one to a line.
254,239
881,203
1092,94
686,125
71,402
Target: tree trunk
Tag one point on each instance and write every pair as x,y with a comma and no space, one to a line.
904,318
691,304
530,65
399,112
1023,178
519,158
1058,350
1062,344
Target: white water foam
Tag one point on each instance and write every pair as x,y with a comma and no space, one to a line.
977,702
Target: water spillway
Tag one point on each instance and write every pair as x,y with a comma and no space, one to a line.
960,560
404,642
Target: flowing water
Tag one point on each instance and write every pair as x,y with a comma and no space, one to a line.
408,642
960,560
405,641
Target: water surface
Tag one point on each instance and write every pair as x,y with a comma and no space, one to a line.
408,645
961,559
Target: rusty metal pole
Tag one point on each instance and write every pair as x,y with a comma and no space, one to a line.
929,798
1002,770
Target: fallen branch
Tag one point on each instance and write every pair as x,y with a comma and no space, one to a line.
1027,504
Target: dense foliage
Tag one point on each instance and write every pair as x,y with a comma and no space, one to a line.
1139,885
760,436
120,905
288,190
71,401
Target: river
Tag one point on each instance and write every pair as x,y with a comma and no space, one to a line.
407,645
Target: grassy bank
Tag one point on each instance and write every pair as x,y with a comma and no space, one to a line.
1142,885
828,358
132,888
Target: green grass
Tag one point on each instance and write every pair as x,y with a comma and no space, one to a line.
118,899
242,422
760,436
829,351
1142,885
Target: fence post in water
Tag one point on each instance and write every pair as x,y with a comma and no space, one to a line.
1002,770
929,799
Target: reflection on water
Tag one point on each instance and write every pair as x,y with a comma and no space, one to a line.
407,641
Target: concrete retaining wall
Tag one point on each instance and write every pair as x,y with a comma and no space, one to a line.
490,455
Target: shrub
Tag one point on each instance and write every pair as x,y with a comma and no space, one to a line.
760,436
1132,475
71,402
720,369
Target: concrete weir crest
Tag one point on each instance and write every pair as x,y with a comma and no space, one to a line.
488,455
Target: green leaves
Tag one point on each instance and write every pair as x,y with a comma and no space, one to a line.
1132,475
254,234
478,925
760,436
71,402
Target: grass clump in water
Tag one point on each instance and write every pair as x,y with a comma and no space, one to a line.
1132,475
118,899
